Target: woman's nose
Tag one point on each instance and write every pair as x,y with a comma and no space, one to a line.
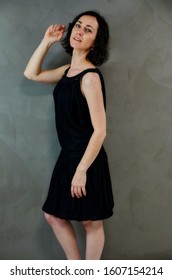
80,32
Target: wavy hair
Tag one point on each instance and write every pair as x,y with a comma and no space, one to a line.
99,54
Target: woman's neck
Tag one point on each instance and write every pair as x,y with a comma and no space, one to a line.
79,61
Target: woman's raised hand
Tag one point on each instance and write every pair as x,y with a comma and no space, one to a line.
54,33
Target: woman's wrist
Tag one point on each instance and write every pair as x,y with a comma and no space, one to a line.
46,43
81,168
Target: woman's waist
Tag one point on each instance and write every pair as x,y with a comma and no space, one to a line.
77,152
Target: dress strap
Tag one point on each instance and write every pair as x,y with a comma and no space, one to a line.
82,73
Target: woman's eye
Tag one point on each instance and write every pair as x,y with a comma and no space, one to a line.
88,30
77,25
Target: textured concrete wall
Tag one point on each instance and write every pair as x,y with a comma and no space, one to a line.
139,95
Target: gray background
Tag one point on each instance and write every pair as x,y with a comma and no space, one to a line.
138,79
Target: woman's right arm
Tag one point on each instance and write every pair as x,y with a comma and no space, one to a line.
34,69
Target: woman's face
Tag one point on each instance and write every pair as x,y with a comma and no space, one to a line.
84,33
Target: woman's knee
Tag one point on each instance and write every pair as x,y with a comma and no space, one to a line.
52,220
49,218
90,225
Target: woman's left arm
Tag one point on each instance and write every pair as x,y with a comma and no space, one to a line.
92,90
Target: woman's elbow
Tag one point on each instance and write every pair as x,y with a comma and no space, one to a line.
27,75
104,134
30,76
101,134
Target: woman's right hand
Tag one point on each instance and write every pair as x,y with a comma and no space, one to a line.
54,33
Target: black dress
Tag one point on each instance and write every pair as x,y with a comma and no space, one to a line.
74,129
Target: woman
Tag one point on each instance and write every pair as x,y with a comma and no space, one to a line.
80,187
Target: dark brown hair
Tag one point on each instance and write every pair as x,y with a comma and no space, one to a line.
99,54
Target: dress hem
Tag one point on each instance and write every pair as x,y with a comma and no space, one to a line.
63,217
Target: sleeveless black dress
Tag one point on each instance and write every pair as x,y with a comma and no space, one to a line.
74,129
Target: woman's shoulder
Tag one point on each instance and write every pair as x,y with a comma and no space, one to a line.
93,78
92,74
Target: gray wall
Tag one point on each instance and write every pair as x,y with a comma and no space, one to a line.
139,142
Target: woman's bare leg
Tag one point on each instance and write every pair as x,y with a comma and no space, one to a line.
95,239
66,236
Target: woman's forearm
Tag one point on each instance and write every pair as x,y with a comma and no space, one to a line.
92,150
34,65
53,34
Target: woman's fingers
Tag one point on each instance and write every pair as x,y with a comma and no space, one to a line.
55,32
58,28
78,184
78,191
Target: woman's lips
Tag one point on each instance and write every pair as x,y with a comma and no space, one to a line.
77,39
